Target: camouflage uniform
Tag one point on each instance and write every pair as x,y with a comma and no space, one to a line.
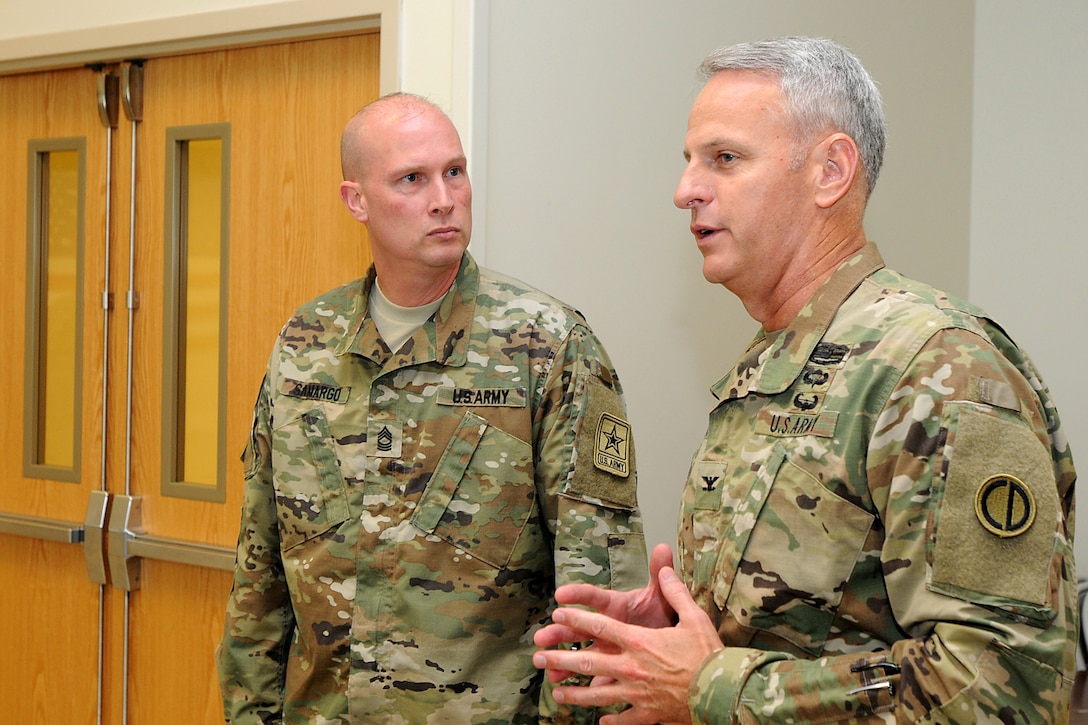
408,516
880,519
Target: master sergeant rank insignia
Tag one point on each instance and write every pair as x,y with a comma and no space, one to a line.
611,450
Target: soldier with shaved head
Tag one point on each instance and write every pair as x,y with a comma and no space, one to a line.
435,448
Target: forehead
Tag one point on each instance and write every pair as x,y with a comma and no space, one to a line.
738,104
411,138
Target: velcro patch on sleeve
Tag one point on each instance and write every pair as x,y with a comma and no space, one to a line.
612,445
996,520
994,392
605,438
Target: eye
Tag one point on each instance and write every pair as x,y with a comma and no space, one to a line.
725,157
410,178
455,171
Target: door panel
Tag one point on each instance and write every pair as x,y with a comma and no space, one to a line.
289,239
49,605
49,609
67,113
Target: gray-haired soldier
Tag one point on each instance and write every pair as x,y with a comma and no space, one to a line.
435,448
878,525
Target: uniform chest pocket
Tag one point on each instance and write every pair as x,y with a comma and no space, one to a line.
798,559
481,497
311,496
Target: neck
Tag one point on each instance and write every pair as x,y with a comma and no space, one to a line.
806,274
415,290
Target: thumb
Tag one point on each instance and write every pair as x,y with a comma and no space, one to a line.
677,595
660,558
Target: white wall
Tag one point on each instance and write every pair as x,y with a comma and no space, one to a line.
588,110
1030,183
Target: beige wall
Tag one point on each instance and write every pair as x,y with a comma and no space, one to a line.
573,114
1029,256
588,110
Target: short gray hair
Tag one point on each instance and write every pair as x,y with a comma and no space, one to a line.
824,85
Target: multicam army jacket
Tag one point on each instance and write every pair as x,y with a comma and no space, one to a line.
408,516
880,519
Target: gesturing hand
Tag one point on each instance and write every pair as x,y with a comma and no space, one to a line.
637,657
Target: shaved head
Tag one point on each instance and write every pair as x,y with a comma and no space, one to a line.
355,152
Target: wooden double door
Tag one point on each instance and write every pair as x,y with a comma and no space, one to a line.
159,221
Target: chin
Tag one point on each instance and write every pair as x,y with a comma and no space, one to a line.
449,253
713,273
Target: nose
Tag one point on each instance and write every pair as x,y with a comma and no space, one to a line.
688,192
443,199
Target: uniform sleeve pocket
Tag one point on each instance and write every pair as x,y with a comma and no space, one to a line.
481,493
311,496
778,587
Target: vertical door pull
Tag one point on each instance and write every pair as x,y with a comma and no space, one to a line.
124,527
94,536
108,94
132,89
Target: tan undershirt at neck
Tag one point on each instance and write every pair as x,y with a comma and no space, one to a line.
395,323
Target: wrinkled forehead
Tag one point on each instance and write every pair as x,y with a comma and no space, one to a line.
735,104
733,92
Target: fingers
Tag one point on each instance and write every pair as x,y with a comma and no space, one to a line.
579,625
557,676
586,595
561,663
590,625
699,633
660,557
556,634
602,696
678,596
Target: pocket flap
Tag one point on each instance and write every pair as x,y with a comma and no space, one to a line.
449,472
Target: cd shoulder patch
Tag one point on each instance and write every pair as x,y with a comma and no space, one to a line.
996,519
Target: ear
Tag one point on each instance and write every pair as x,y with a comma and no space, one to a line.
352,195
839,169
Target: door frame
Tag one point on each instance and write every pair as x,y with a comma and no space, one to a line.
115,39
435,49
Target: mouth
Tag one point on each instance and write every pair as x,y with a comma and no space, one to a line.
701,232
444,232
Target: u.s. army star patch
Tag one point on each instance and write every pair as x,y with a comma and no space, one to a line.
612,445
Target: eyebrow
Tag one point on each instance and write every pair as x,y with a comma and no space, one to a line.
706,146
417,168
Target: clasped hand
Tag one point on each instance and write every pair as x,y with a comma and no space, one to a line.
647,646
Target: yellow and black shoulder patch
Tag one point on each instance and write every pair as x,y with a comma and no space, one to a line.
612,448
1005,506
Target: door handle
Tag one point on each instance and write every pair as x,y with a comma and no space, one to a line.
94,530
90,534
36,528
124,526
129,543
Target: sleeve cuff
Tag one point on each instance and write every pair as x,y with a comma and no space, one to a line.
715,695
